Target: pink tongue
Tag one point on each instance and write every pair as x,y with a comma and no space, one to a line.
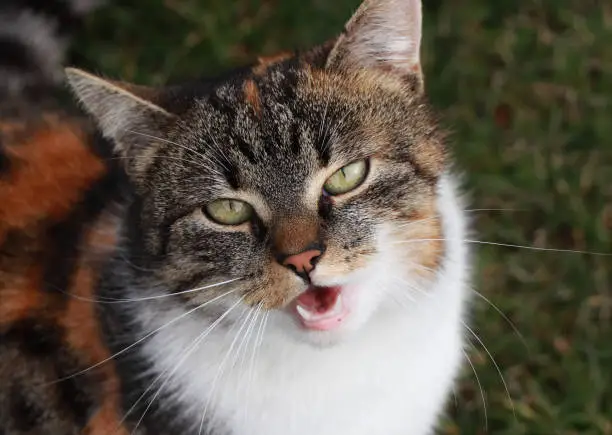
319,299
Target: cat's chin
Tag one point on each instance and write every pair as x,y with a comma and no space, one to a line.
319,338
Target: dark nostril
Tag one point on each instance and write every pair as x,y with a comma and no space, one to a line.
314,260
303,262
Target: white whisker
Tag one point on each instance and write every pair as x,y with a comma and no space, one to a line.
177,159
503,315
150,334
252,360
418,221
220,151
196,153
507,245
249,334
484,401
484,298
132,265
495,364
221,369
184,357
106,300
439,216
244,343
324,125
476,210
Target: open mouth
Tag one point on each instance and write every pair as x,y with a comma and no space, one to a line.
321,308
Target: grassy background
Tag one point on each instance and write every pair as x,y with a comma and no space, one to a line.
526,88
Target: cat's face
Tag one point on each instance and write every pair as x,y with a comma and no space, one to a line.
299,183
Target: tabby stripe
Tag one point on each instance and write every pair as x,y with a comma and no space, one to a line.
44,342
245,150
64,237
76,400
295,138
219,105
230,172
323,149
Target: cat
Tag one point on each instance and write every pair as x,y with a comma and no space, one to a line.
277,251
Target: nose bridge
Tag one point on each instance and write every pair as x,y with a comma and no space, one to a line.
295,234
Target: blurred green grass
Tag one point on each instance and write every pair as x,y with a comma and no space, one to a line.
525,86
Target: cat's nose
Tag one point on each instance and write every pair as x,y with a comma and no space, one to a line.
303,262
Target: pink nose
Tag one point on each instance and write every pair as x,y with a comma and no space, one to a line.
303,262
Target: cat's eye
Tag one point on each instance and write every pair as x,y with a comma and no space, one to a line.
229,211
346,178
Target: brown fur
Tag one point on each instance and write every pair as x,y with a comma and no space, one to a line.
295,234
47,180
264,62
20,296
84,336
275,291
51,167
251,95
423,234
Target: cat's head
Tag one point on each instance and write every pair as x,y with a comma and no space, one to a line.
298,182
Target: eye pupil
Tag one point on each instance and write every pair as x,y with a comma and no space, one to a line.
346,178
229,211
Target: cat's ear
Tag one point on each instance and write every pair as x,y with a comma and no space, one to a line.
120,109
383,34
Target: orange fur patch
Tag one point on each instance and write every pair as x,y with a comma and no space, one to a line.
264,62
51,168
251,95
21,296
21,286
11,127
83,334
425,228
430,157
54,166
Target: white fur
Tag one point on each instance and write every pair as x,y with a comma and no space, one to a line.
388,372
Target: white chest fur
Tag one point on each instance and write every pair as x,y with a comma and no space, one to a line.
392,377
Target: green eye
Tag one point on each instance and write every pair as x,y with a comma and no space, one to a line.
347,178
229,211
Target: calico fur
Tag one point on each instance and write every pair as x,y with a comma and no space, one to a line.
127,308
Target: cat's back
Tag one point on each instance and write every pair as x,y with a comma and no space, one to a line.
55,227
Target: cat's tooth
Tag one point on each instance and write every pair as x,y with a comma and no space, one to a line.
304,313
337,308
